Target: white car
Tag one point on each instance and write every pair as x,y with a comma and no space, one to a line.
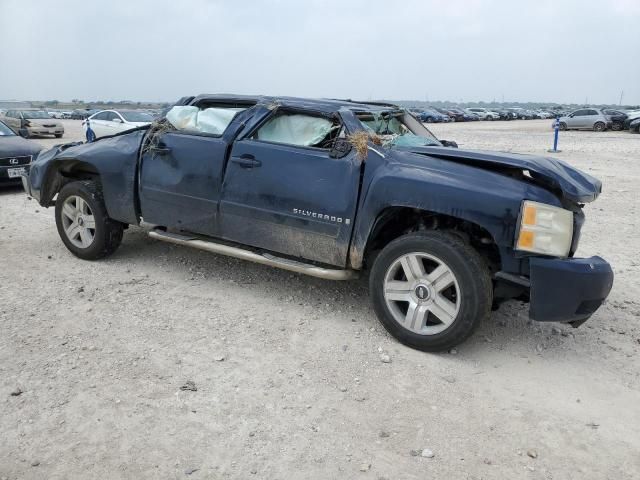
484,113
110,122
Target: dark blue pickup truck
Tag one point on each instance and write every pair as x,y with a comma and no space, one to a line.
333,189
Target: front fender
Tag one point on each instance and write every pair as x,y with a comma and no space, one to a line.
114,159
485,198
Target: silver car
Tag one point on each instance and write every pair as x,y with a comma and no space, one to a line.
29,122
586,119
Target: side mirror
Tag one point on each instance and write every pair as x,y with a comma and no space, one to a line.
571,115
117,120
449,143
341,148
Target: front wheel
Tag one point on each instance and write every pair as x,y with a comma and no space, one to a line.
83,223
563,126
430,290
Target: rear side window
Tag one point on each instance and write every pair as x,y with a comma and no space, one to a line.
299,129
101,116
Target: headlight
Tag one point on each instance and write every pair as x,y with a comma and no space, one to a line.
545,229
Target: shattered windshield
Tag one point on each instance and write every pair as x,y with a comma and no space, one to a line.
397,128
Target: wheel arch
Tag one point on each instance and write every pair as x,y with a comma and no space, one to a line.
394,221
62,172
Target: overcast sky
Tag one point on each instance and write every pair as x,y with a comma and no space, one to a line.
467,50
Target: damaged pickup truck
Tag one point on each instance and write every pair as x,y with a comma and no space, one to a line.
333,188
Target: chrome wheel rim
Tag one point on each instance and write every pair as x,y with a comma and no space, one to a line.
78,222
422,293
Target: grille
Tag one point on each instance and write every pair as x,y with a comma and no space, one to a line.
10,161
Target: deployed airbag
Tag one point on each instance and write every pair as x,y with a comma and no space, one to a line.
209,120
296,130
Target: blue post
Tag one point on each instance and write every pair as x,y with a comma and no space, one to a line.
91,135
556,130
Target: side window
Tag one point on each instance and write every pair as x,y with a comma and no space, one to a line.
579,113
101,116
591,112
111,116
300,130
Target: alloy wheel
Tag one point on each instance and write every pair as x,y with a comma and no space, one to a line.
78,221
422,293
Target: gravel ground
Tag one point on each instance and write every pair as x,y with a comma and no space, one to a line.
286,371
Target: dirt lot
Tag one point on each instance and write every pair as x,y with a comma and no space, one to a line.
287,368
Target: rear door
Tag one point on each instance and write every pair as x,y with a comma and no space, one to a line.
284,193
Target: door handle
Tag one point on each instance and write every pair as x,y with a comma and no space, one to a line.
159,149
246,161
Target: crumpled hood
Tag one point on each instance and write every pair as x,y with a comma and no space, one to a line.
13,146
571,183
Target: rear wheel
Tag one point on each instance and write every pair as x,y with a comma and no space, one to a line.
599,127
83,223
430,290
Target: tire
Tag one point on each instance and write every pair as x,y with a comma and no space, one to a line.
599,127
58,135
563,126
449,306
82,240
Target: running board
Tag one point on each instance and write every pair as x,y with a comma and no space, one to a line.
262,258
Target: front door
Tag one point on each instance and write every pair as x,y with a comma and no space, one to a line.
180,181
283,192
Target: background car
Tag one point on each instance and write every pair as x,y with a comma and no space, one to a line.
467,116
447,113
505,114
16,154
586,119
30,122
110,122
484,113
617,118
631,116
521,113
634,126
80,114
55,114
429,115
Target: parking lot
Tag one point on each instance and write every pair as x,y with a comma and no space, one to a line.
286,370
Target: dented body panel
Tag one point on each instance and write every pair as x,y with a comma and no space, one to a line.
482,197
114,159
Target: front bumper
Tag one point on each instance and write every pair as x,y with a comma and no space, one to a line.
27,188
568,290
45,130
